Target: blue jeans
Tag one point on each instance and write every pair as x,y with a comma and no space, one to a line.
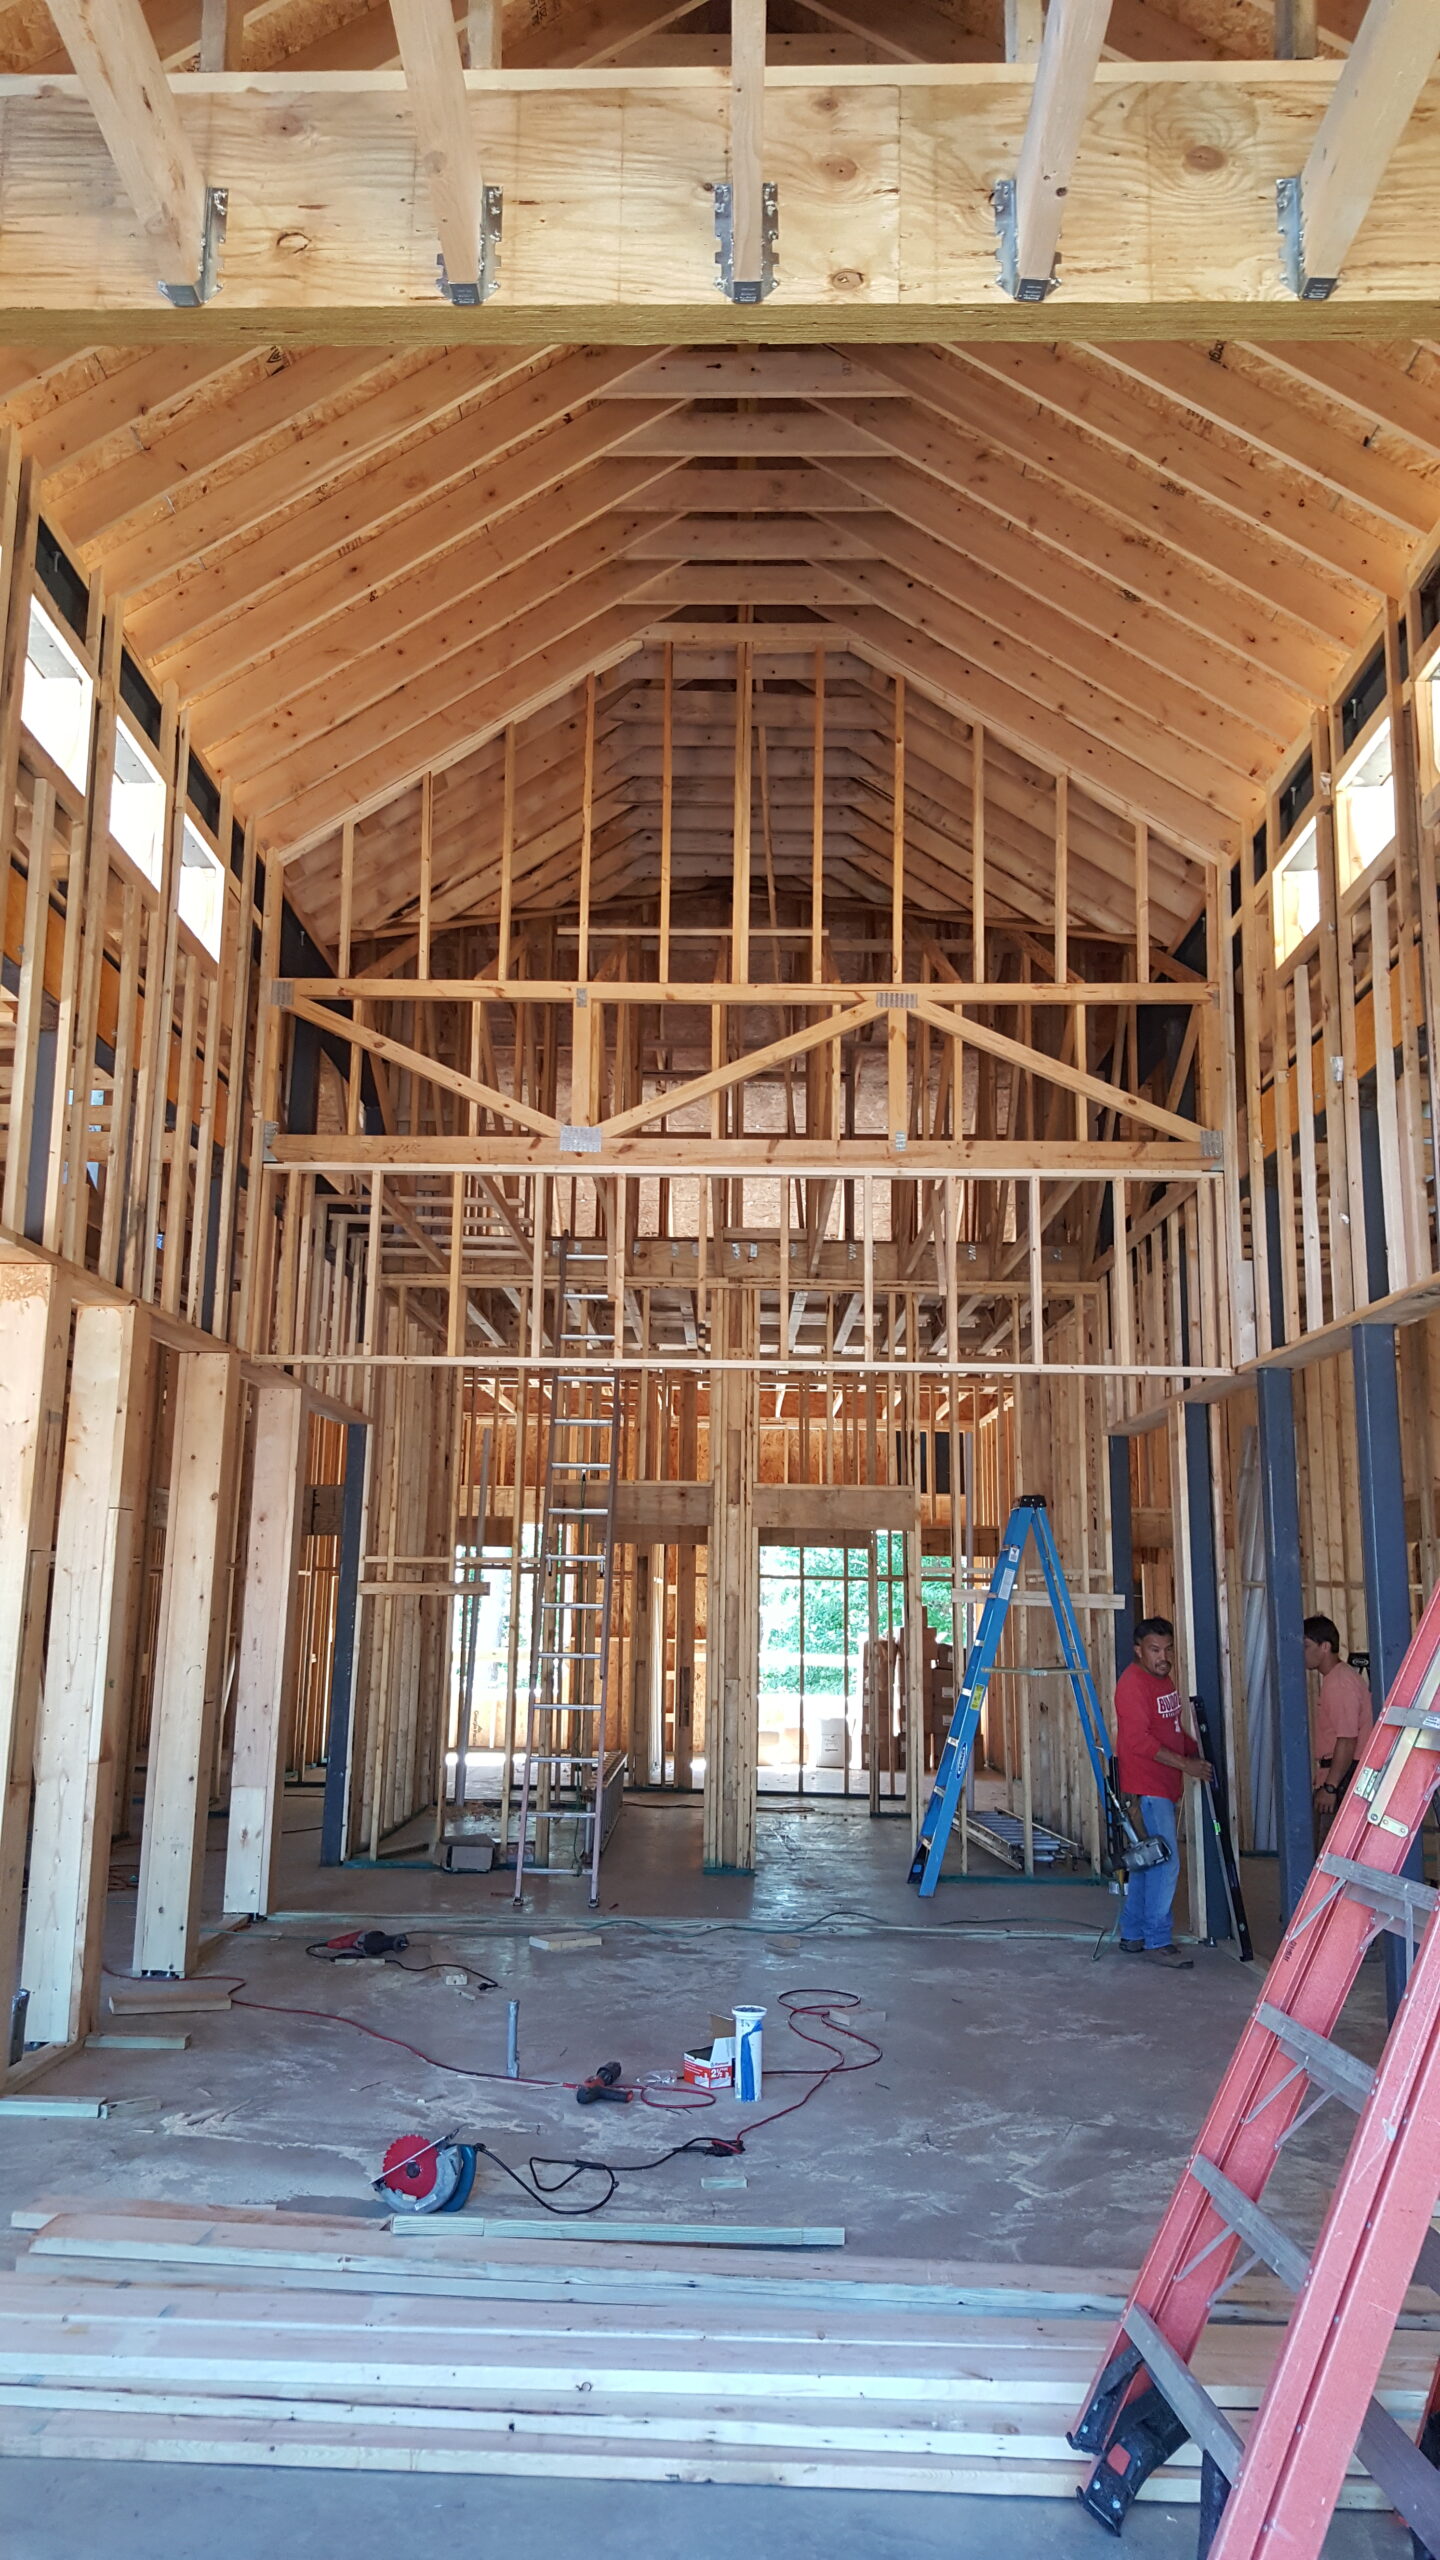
1148,1895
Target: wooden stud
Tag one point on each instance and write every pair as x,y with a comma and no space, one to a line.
667,811
977,856
269,1637
427,867
1062,879
1024,29
587,832
897,840
29,1009
222,35
198,1533
34,1342
484,28
741,817
817,821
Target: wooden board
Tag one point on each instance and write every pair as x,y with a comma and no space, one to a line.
286,2442
176,1999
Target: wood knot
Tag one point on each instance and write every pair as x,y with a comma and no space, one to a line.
1204,158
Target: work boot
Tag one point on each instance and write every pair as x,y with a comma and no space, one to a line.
1173,1958
1132,1946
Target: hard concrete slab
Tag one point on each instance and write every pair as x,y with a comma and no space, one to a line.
66,2511
1035,2094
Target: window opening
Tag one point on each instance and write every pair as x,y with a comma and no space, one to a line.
1295,892
202,890
1365,808
140,698
57,696
137,806
1295,796
61,580
1363,699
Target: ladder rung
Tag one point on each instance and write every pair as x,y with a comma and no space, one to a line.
1395,1900
1341,2075
1188,2398
1415,1719
1282,2255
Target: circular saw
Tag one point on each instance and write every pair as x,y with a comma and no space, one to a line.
427,2177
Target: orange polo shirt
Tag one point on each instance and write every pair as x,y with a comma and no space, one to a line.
1342,1709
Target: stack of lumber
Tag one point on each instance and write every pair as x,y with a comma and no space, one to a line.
165,2333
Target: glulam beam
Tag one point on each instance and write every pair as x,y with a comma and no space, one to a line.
889,228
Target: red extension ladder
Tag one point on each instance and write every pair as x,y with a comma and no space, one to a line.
1272,2496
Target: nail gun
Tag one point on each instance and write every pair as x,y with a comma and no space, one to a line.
1127,1851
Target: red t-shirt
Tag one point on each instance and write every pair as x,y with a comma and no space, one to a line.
1147,1720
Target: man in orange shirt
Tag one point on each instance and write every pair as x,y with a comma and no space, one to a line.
1154,1755
1343,1713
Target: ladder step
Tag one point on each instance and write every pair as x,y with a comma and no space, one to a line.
1282,2255
1397,1901
1340,2074
1414,1719
1189,2399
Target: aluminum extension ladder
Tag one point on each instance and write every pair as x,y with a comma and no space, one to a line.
1274,2494
571,1782
1028,1519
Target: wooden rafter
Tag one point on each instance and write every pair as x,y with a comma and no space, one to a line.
435,79
1030,207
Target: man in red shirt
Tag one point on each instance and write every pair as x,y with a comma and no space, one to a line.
1154,1757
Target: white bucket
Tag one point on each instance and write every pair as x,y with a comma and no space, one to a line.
747,2054
830,1742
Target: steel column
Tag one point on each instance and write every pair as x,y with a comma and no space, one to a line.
342,1663
1209,1637
1387,1557
1285,1614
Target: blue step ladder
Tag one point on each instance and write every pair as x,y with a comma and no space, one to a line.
1028,1519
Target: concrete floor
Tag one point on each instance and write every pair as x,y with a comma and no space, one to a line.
1031,2107
66,2511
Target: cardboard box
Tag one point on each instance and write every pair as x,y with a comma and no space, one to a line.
712,2065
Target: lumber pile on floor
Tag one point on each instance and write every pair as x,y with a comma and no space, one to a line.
165,2333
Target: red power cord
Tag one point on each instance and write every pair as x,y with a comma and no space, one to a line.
816,2005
